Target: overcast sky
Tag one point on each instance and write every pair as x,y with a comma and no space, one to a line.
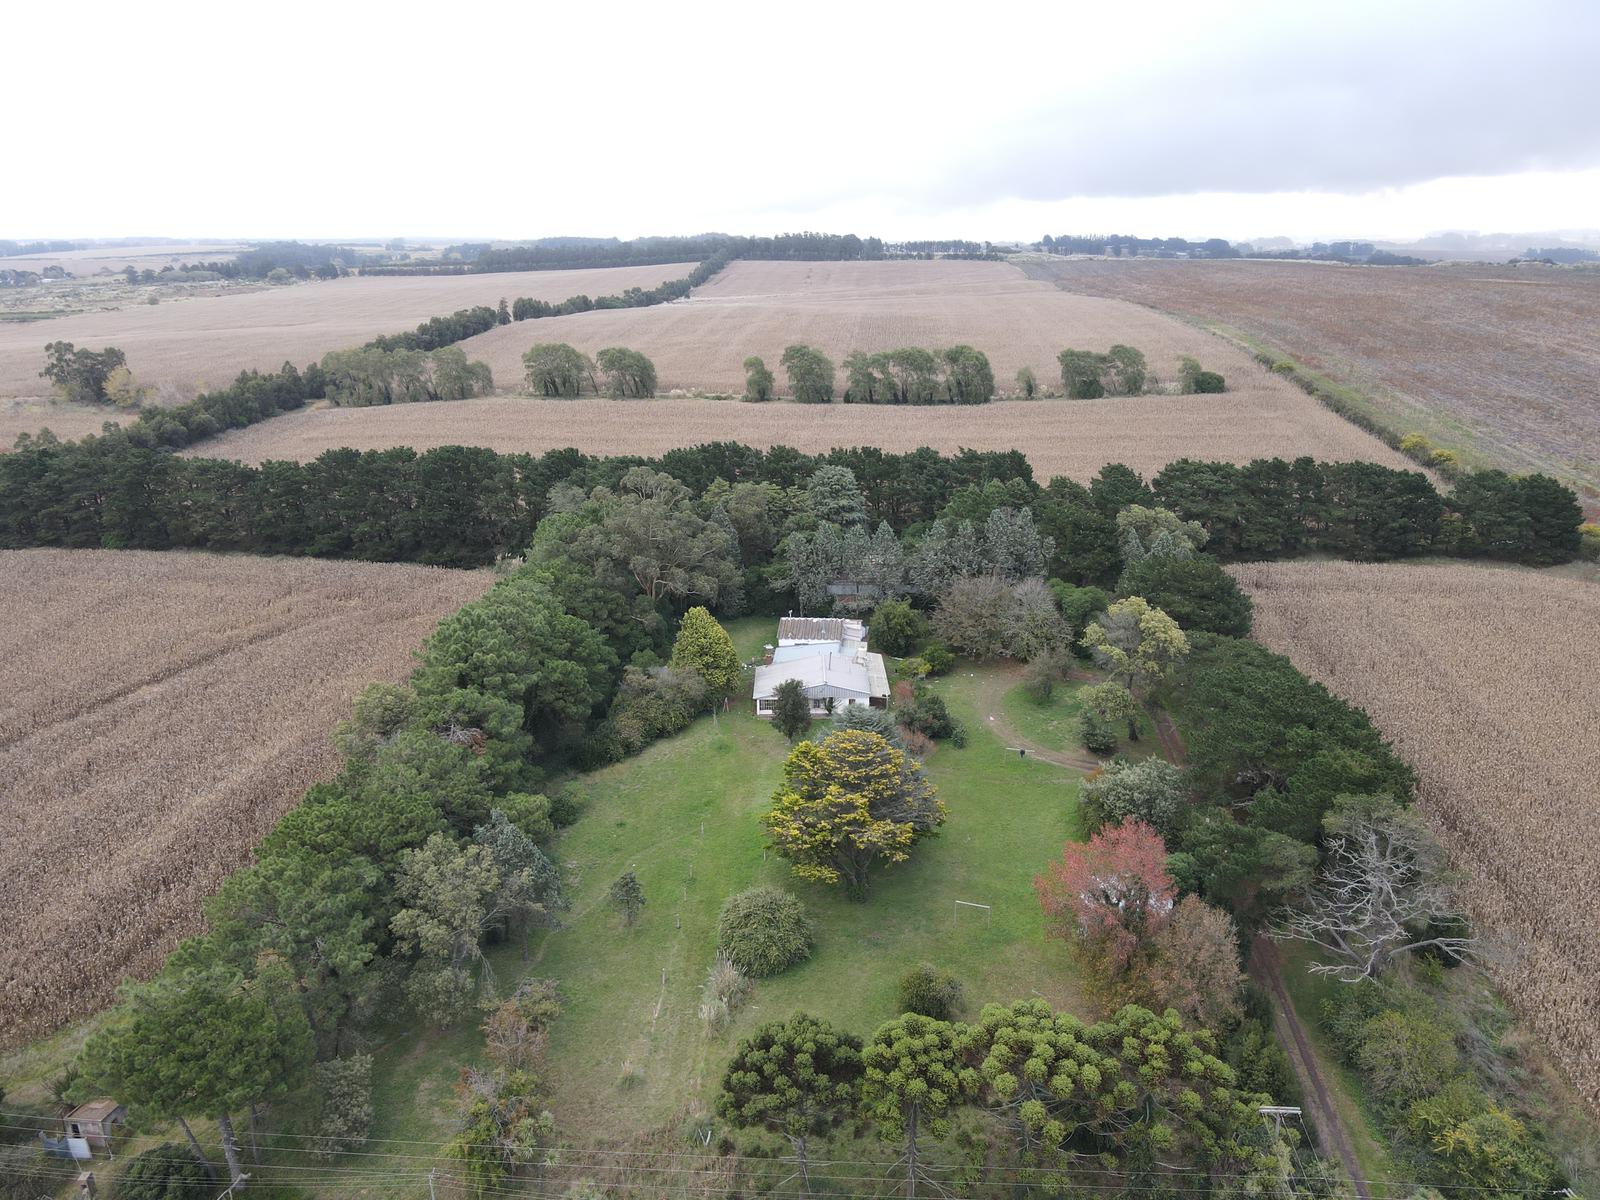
985,119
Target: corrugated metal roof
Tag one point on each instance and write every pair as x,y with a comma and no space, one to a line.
820,629
806,650
861,675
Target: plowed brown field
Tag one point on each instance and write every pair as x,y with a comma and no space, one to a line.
158,714
1501,361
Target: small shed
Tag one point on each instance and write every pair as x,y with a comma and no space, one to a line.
95,1121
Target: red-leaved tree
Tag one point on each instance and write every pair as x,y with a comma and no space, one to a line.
1109,896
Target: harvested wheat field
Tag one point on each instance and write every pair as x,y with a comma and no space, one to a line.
208,340
1498,361
1483,677
158,713
1060,437
700,344
60,417
106,260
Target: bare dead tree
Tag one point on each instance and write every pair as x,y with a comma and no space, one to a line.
1385,890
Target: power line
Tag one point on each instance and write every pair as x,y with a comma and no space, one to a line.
584,1158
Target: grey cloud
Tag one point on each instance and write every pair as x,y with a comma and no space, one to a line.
1339,98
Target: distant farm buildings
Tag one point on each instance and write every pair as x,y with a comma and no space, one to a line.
830,659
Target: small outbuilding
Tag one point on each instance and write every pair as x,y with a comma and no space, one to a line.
95,1122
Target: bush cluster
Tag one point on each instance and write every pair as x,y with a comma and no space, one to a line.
930,992
763,932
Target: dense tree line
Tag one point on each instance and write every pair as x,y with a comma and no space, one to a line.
912,375
578,253
524,308
1123,244
441,331
300,260
10,248
360,378
121,488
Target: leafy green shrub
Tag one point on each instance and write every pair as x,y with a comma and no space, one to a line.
941,660
345,1114
166,1172
1251,1050
1150,791
564,809
763,931
1099,737
1044,672
1589,545
930,992
897,629
925,712
912,668
869,720
654,704
1406,1056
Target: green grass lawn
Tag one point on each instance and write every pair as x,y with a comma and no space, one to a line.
630,1052
1055,723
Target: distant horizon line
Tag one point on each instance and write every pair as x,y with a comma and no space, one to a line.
1579,237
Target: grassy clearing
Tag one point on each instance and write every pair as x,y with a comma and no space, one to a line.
630,1052
1055,724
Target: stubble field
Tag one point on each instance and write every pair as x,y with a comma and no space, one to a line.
1497,360
1074,438
758,308
1483,678
206,341
158,714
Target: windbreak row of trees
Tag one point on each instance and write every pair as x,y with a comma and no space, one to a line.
556,254
524,309
122,489
911,375
1123,371
560,371
369,376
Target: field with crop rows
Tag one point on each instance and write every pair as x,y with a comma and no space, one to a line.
1483,677
1497,360
208,340
1060,437
158,714
761,307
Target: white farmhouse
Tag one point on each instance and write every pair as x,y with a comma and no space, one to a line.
829,656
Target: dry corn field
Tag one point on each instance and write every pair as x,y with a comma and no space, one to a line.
1503,360
1483,677
158,714
206,341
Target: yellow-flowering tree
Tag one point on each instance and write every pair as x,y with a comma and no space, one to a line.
848,802
1136,642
